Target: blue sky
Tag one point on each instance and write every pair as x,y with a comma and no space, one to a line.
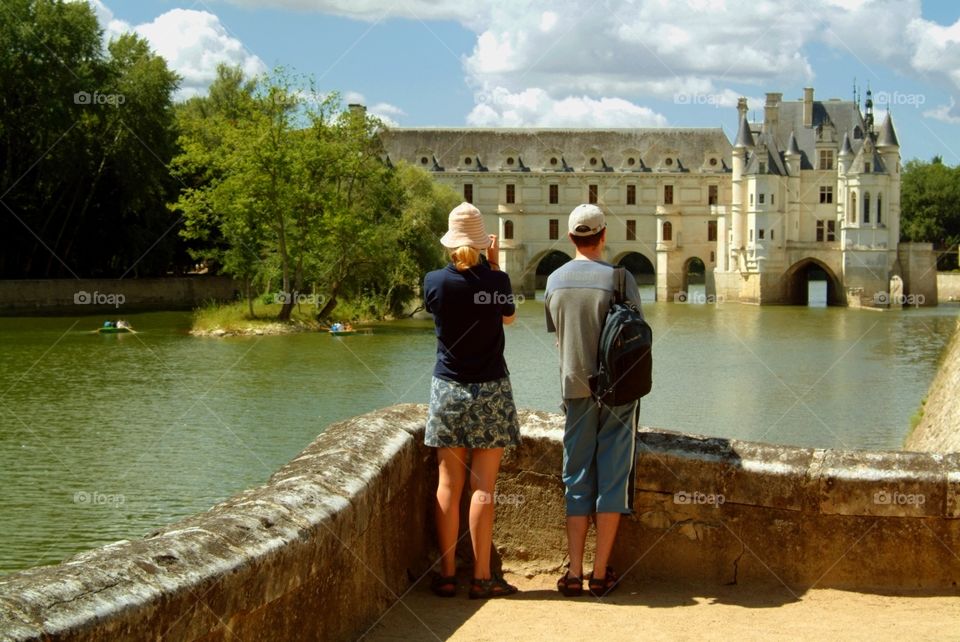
570,63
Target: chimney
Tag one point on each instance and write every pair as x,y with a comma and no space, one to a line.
741,108
771,111
808,106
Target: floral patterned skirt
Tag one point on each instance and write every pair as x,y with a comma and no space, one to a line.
472,415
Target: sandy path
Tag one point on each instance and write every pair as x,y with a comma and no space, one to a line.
655,611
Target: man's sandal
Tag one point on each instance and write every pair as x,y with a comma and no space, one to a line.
494,587
444,586
603,586
570,585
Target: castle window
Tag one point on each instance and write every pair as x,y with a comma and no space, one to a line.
760,234
866,207
553,160
879,209
772,196
826,193
853,207
831,231
819,231
712,195
751,235
713,162
771,234
593,161
631,194
713,256
667,231
751,199
424,160
711,230
668,194
593,193
510,160
554,194
668,162
631,230
631,161
467,161
508,230
826,159
760,197
511,193
762,167
468,192
866,167
554,229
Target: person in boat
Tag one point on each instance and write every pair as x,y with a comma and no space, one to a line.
471,409
109,324
336,327
123,325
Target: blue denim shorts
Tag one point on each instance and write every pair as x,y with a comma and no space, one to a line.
599,457
472,415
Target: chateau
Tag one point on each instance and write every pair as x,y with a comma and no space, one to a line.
812,189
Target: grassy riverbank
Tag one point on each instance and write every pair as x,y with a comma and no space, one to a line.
235,319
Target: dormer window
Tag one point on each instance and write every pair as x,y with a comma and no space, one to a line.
467,161
553,160
593,161
668,161
866,167
510,160
424,160
713,161
762,167
631,161
826,159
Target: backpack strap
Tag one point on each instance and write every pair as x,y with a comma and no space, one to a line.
619,284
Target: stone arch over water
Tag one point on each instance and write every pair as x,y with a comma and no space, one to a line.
642,268
543,264
796,279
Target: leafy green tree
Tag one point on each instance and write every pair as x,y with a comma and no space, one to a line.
930,205
85,136
285,186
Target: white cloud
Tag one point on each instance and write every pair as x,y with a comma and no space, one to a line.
194,43
533,107
642,49
947,113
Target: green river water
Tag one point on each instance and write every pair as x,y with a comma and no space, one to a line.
108,437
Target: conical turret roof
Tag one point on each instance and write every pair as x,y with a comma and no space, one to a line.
744,136
887,134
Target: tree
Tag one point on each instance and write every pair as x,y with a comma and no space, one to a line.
285,185
85,135
930,205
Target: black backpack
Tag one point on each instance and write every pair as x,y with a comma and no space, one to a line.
624,359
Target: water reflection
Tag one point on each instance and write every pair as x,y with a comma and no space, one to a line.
106,437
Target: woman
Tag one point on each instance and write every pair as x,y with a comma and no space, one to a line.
471,401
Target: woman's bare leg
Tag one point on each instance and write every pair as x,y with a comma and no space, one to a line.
453,473
484,466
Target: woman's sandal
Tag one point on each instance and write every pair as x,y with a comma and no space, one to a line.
601,587
494,587
444,586
570,586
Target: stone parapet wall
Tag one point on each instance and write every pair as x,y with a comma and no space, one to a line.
939,428
336,536
111,296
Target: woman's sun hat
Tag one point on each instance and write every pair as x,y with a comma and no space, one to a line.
465,227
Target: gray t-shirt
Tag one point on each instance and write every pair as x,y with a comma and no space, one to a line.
577,299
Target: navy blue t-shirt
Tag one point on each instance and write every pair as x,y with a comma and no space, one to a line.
468,309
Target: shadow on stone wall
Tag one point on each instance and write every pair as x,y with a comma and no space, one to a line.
340,534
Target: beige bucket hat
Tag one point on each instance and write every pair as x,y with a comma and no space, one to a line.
465,227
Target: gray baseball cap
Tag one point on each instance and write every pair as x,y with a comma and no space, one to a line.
586,220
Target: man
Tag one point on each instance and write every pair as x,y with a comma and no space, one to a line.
598,441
